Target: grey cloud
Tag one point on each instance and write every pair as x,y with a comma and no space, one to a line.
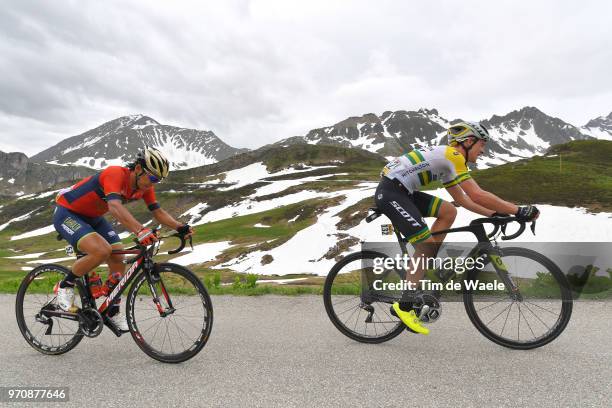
257,71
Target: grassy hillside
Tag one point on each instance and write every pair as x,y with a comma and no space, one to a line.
572,174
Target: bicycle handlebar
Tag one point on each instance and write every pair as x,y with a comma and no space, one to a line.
501,223
183,242
143,248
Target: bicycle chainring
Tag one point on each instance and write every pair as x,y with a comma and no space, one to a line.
428,308
90,322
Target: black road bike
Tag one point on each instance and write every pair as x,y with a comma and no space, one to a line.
168,310
532,311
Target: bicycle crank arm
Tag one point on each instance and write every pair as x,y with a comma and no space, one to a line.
112,327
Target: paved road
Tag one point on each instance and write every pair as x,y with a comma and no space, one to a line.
283,351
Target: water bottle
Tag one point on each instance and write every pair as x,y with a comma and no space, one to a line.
95,285
111,282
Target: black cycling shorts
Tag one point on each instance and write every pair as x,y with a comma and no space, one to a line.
405,210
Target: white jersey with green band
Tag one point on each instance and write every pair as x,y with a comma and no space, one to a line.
421,166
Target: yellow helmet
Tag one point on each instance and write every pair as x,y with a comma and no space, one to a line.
463,130
154,162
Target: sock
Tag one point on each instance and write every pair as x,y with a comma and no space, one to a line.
113,309
68,281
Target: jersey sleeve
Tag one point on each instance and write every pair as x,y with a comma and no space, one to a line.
457,170
149,198
111,181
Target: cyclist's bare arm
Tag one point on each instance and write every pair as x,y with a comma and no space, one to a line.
121,214
162,217
487,199
466,202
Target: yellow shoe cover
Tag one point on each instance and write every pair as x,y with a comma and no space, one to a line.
410,319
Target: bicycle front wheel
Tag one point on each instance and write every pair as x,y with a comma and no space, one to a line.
353,303
177,328
533,316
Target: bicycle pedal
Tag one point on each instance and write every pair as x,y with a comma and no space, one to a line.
424,313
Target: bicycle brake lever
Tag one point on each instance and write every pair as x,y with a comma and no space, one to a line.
503,229
533,225
191,242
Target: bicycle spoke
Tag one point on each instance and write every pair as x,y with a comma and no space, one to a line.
346,300
518,324
497,315
528,325
357,319
191,324
541,308
179,331
537,317
492,304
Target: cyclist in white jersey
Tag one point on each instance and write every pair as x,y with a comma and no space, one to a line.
399,197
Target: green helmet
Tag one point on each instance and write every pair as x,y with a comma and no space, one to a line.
461,131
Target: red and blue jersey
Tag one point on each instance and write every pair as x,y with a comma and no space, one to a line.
90,196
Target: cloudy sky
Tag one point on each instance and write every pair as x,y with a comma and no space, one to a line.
258,71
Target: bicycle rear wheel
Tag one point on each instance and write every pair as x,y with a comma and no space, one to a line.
183,327
48,335
352,303
532,320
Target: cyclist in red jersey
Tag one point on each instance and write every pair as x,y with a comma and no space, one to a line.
78,218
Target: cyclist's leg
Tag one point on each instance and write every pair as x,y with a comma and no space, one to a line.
79,233
105,229
116,267
398,205
446,217
432,206
97,250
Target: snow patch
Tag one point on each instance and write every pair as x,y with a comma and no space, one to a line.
37,232
17,219
28,256
52,260
202,253
194,212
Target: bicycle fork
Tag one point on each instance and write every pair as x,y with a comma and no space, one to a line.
495,255
153,277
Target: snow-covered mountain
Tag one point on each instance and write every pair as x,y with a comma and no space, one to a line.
388,134
524,133
601,127
516,135
117,141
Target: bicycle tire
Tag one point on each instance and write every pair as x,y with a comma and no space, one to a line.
559,325
139,335
397,327
21,318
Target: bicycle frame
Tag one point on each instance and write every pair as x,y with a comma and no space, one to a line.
483,247
141,264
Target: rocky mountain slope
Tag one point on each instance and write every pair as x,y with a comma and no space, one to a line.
117,141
